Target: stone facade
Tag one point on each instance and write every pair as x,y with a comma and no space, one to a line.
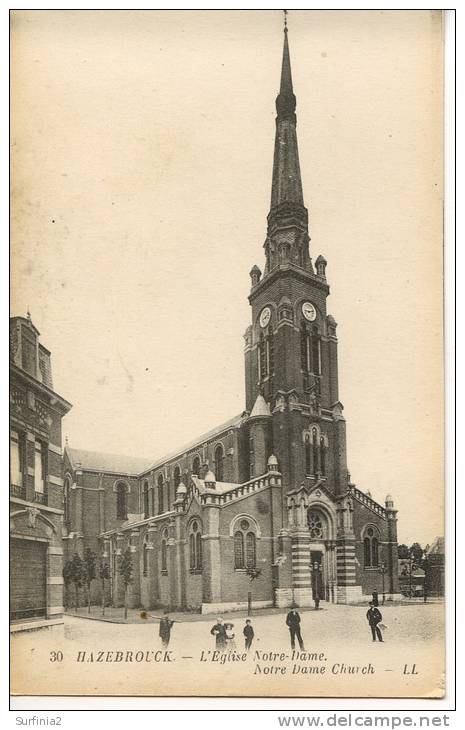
36,483
263,504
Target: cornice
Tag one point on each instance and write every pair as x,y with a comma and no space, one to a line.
288,269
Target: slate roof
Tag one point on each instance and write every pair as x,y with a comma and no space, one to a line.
261,408
118,464
232,423
109,463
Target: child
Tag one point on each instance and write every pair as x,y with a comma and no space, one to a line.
230,643
248,633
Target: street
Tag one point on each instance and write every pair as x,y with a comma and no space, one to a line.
341,658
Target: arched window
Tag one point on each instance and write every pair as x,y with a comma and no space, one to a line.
145,495
152,501
371,548
164,554
262,364
322,456
195,547
265,354
66,500
219,471
250,550
270,351
245,552
121,502
304,348
177,477
238,550
310,349
160,490
315,452
145,558
316,351
196,466
308,454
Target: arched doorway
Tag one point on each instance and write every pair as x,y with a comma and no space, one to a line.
322,553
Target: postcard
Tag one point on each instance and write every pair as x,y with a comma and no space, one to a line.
226,345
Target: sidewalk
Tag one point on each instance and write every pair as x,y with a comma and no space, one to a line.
116,615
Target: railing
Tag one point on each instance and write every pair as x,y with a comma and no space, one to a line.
18,491
41,497
368,502
242,490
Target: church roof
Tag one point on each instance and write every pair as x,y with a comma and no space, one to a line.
110,463
261,408
208,436
120,464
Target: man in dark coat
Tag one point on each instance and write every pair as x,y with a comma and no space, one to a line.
165,629
219,632
374,617
248,633
293,621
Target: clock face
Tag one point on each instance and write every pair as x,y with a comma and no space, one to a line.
309,311
265,317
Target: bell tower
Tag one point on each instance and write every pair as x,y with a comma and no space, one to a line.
291,344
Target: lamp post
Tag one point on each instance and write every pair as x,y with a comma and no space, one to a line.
382,570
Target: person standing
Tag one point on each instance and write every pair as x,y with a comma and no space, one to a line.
317,585
248,633
374,618
164,631
293,622
219,632
230,637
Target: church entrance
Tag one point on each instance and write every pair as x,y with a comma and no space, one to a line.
322,555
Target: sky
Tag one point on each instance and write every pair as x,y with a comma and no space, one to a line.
142,146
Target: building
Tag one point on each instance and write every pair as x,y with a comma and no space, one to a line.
36,483
263,502
435,568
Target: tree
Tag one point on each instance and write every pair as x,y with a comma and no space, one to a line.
125,570
88,572
403,552
104,574
416,551
253,573
74,570
67,578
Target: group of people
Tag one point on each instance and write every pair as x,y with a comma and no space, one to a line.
225,639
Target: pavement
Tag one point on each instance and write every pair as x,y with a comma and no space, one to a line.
116,615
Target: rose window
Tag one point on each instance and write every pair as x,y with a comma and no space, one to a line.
315,525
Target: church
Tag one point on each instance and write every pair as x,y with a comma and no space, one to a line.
264,503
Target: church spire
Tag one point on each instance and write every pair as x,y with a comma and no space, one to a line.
287,240
285,101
